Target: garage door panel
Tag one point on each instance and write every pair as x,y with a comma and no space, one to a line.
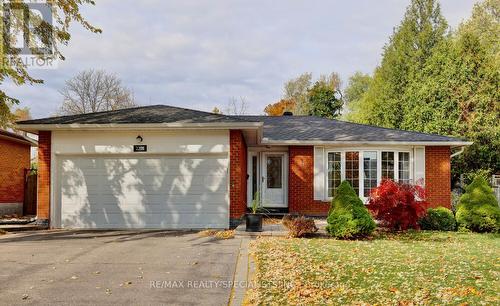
162,192
171,221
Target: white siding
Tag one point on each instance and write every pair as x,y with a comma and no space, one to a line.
319,173
103,142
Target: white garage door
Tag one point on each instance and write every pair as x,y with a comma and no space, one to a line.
145,192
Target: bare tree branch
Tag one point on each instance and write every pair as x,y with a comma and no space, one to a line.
94,91
236,107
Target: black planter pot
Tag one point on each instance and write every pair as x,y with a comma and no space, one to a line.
254,223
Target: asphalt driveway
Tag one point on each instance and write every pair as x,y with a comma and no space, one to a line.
116,267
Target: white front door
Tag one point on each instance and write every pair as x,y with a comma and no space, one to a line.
274,179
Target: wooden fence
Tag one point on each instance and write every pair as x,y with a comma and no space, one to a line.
30,192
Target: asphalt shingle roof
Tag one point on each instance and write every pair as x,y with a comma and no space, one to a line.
310,128
143,114
276,129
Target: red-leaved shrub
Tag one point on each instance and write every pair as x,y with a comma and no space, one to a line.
398,206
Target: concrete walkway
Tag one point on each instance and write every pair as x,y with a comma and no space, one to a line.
117,268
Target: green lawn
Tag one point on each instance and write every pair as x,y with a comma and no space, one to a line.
404,269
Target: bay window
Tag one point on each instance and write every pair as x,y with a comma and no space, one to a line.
365,169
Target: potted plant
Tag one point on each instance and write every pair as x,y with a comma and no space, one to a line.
254,217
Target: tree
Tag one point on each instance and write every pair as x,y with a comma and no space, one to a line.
23,20
434,81
348,216
297,90
278,108
17,115
298,97
236,107
94,91
324,101
22,114
478,208
354,93
412,43
216,110
397,206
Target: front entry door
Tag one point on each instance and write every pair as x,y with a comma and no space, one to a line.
274,183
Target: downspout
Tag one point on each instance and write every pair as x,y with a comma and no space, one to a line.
458,152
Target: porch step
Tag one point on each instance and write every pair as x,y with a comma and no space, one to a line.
19,220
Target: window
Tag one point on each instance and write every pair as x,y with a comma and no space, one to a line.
370,172
255,177
352,169
334,174
274,172
388,165
376,164
404,167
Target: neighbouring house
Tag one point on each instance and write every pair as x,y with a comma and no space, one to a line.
15,159
168,167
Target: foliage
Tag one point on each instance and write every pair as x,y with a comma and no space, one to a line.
438,219
216,110
256,205
323,101
299,226
278,108
94,91
18,115
354,93
396,205
296,90
64,13
478,209
224,234
435,81
303,98
348,216
410,268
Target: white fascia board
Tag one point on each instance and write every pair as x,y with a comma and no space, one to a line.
409,143
141,126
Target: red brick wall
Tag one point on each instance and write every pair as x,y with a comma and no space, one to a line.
14,159
238,174
438,176
301,183
43,207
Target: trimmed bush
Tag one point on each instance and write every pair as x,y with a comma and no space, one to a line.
438,219
299,226
478,209
348,216
398,206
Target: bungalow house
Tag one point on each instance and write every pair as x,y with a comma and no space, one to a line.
168,167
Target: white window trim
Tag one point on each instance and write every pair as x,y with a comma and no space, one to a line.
361,150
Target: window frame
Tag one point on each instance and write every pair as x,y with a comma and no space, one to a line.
361,151
342,171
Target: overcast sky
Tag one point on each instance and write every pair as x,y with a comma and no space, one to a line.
199,54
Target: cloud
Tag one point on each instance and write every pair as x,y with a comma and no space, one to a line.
200,53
